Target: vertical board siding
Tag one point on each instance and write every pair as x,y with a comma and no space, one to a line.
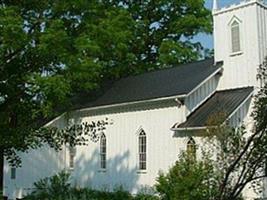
163,147
36,164
262,32
122,149
201,94
122,152
239,118
240,70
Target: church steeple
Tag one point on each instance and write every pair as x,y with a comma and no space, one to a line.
215,5
240,32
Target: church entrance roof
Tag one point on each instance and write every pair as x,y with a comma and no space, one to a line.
220,105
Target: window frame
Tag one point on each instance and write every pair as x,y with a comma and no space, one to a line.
191,147
103,152
142,151
13,173
72,153
235,23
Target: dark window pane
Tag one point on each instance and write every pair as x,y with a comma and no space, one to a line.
142,150
13,173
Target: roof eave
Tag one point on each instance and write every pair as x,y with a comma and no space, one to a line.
189,128
153,100
133,103
205,127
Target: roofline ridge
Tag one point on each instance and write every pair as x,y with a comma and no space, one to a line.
184,95
166,68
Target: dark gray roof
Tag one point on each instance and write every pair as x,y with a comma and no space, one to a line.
179,80
221,104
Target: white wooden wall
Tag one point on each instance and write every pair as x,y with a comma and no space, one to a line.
156,119
241,70
163,148
36,164
122,148
197,97
240,116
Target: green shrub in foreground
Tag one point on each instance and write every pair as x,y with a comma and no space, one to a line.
58,187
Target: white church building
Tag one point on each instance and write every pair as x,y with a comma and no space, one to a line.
154,116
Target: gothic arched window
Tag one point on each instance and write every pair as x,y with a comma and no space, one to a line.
103,151
142,150
235,37
191,148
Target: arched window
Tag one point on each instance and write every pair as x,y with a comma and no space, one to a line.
142,150
103,151
191,148
235,36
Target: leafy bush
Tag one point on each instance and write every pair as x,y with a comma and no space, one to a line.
188,179
58,187
146,197
147,193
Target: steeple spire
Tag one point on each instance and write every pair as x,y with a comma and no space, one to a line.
215,5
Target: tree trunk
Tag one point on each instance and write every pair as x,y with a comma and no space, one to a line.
1,173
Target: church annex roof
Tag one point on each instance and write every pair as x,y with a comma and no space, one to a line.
175,81
222,104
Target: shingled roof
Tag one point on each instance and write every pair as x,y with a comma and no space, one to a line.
175,81
223,103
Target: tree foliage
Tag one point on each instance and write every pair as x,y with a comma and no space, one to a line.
59,187
188,179
243,152
52,50
164,30
49,52
233,160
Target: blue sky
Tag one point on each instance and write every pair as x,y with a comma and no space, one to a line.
207,40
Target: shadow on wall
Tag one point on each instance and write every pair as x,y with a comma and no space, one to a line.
36,164
87,173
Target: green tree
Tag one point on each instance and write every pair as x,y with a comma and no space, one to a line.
51,50
164,30
188,179
231,160
241,154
